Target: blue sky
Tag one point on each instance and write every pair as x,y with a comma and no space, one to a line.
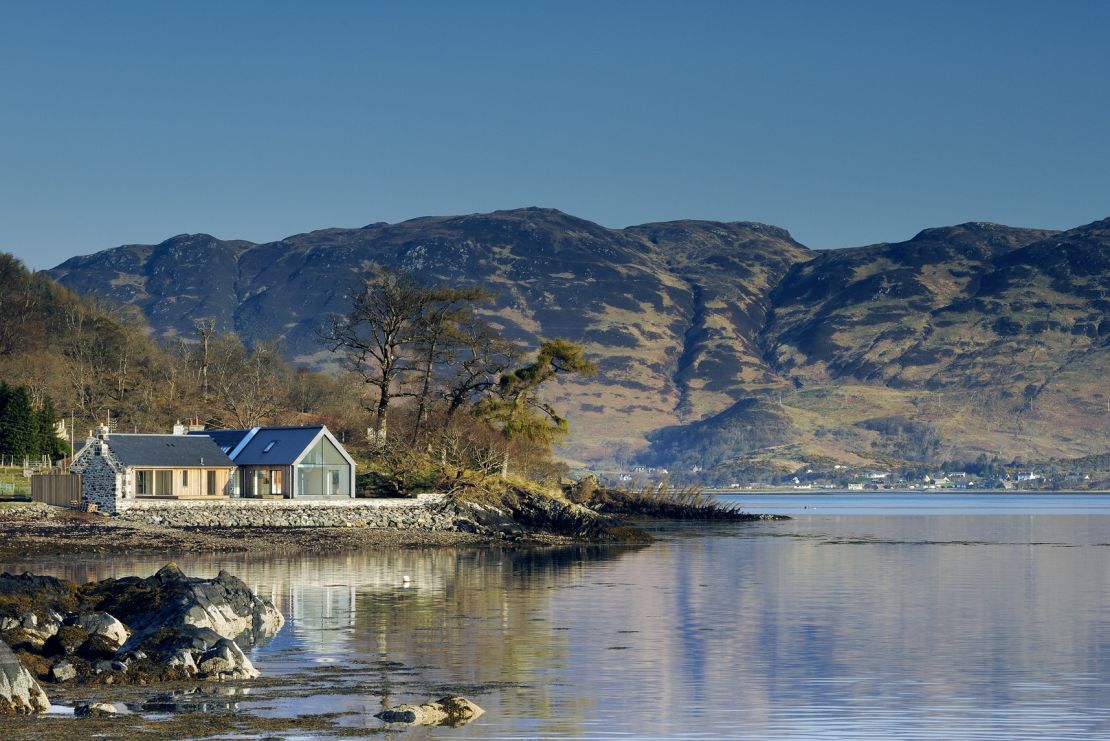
847,123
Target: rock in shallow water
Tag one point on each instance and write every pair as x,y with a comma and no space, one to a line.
446,711
96,710
224,605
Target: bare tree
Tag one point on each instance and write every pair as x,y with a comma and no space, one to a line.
206,330
382,335
482,355
248,385
443,324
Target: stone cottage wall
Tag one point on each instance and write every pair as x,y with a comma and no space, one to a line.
101,483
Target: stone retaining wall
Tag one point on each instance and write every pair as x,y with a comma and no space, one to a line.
425,513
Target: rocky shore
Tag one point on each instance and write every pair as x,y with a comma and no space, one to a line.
124,631
467,515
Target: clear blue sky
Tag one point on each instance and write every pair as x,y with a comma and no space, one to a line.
847,123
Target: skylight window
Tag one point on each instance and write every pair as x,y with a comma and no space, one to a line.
269,445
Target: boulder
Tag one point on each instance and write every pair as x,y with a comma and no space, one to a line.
105,626
183,660
95,710
65,642
62,671
224,605
20,694
446,711
226,658
27,639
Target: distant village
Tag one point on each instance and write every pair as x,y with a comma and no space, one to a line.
848,478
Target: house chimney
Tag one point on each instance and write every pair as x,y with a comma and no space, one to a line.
179,429
102,432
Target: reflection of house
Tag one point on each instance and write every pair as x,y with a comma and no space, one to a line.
119,469
287,462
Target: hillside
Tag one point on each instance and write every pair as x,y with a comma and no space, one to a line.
670,311
968,341
720,342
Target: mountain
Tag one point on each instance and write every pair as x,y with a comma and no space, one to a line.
965,341
670,311
717,342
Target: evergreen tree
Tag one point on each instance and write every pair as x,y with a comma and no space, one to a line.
516,409
18,430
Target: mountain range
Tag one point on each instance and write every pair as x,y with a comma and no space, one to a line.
721,346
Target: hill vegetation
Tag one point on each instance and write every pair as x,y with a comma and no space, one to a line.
474,401
726,347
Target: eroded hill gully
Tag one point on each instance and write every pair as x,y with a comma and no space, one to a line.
685,365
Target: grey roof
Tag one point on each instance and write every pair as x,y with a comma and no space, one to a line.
168,451
277,446
226,440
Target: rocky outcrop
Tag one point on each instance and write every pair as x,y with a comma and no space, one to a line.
131,630
224,605
446,711
20,694
516,512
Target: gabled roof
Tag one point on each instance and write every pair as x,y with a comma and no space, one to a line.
262,446
226,440
168,451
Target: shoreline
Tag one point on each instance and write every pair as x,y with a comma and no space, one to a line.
38,531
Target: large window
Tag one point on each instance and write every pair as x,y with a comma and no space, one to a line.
154,483
210,484
268,482
324,472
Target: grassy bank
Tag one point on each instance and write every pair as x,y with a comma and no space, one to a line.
13,484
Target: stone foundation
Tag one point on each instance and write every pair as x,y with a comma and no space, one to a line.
424,513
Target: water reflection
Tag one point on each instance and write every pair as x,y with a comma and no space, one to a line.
991,627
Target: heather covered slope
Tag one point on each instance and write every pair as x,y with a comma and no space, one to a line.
670,311
720,343
968,341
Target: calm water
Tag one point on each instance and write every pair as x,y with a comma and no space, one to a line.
917,616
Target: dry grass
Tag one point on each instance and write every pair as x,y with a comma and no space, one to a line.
666,501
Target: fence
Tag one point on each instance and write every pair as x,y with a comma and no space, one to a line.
58,489
22,461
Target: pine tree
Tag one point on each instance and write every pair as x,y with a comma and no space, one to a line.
516,409
18,431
